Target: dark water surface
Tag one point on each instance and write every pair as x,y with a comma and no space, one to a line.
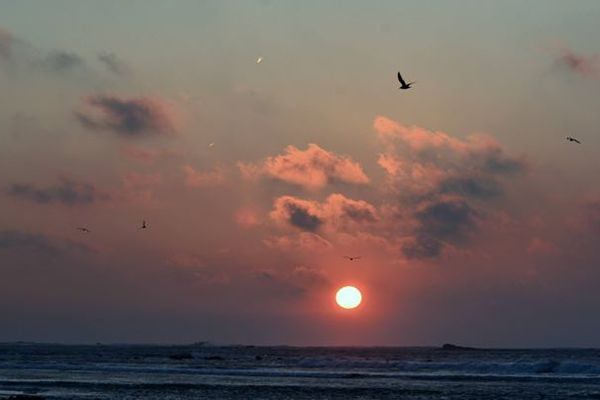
247,372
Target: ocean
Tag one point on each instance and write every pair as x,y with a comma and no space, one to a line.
249,372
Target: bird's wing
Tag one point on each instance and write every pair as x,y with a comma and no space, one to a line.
400,79
576,141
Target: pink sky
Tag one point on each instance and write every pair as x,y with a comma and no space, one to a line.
475,220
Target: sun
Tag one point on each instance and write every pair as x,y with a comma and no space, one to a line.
348,297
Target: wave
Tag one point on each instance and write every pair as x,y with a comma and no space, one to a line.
548,370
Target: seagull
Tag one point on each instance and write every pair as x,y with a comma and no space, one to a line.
259,60
352,258
572,139
403,83
144,226
83,229
211,144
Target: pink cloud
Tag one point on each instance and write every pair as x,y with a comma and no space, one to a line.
421,160
418,140
193,178
336,213
138,188
442,184
246,218
541,246
312,168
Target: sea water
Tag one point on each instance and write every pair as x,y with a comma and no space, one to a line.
248,372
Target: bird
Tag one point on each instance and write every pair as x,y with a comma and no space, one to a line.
572,139
144,226
83,229
403,83
259,60
211,144
352,258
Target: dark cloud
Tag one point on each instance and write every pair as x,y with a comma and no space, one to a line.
338,212
496,163
128,117
440,221
479,187
358,212
6,40
113,63
67,192
592,215
422,246
299,213
40,244
446,179
583,65
294,283
62,61
301,218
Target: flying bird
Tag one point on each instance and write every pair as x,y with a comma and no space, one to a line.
211,144
83,229
403,83
572,139
144,226
352,258
259,60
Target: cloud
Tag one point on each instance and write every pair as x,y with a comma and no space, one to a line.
129,117
482,187
312,168
40,244
591,215
303,241
294,283
441,182
138,188
440,222
61,61
336,213
542,247
427,162
246,218
6,40
585,66
67,192
133,179
113,63
299,213
193,178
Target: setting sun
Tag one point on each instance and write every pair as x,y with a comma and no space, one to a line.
348,297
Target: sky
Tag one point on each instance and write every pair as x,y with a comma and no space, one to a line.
476,221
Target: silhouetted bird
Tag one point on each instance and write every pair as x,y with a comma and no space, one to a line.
352,258
144,226
403,83
572,139
83,229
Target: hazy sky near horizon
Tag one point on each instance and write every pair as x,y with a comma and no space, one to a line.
477,222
